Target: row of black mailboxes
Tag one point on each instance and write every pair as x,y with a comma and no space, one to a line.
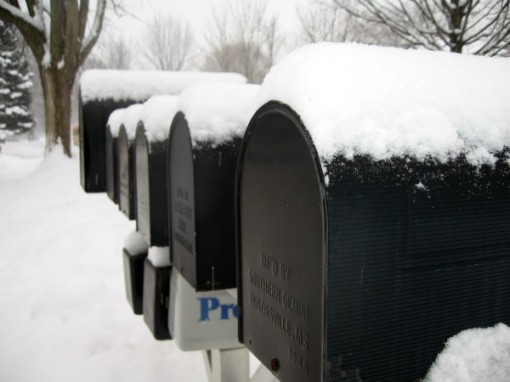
354,262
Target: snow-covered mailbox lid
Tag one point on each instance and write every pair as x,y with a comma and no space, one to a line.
374,210
102,91
126,160
112,173
203,147
151,184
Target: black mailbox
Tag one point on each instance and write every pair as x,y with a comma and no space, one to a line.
152,212
203,148
126,160
102,91
151,169
357,263
112,181
112,173
126,174
134,254
94,114
156,292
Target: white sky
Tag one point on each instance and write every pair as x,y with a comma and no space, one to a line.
199,13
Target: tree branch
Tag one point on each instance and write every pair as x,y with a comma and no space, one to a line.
71,41
82,19
31,28
439,24
93,36
57,31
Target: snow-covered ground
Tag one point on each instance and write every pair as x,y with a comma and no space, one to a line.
63,311
19,158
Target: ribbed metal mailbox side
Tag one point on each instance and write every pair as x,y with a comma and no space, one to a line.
126,174
418,252
201,213
151,186
364,277
282,253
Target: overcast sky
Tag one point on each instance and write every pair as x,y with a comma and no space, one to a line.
199,12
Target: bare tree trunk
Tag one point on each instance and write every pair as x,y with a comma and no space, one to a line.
55,31
57,106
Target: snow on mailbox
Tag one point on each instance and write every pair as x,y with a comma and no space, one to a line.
102,91
112,163
203,147
373,201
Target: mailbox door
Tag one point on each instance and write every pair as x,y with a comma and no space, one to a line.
125,174
282,233
182,199
112,185
132,182
142,184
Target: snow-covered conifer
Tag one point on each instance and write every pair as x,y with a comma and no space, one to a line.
15,84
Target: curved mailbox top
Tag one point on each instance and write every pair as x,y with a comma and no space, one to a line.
387,102
373,210
115,120
130,119
157,115
217,112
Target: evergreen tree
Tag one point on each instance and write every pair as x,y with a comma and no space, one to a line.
15,84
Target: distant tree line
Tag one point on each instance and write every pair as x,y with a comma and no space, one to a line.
248,38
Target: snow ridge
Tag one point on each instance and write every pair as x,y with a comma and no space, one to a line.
385,102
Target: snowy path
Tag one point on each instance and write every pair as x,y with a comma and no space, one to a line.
63,312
